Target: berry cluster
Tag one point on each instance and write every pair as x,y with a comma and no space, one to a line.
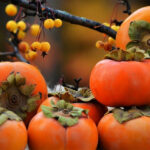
107,45
50,23
20,28
30,52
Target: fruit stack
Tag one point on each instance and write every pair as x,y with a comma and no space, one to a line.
122,81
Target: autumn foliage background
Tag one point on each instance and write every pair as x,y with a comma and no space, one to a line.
73,53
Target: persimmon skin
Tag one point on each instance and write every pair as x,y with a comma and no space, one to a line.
124,83
13,135
96,110
47,134
131,135
122,37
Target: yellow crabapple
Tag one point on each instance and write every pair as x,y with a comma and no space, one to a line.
57,23
49,23
11,10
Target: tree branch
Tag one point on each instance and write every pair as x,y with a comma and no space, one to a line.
65,16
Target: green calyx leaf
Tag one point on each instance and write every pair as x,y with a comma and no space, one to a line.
11,78
31,102
82,94
131,54
27,89
7,115
123,115
17,96
65,113
138,29
19,79
67,122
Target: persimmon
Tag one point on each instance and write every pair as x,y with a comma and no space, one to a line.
125,130
122,37
121,83
22,88
87,101
62,127
13,133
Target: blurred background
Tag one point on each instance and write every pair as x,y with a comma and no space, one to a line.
73,53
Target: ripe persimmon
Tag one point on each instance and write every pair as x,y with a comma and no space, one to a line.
96,110
131,134
22,87
122,37
13,133
62,127
121,83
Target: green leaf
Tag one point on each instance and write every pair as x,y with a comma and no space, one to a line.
47,111
3,118
132,44
138,29
20,80
61,104
27,89
12,116
122,116
11,78
5,85
67,121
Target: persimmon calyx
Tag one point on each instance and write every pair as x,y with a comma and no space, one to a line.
82,94
139,33
131,54
7,115
65,113
123,115
16,95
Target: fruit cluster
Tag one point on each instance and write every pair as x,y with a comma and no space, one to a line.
20,28
121,81
107,45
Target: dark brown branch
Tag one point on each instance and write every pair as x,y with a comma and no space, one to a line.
65,16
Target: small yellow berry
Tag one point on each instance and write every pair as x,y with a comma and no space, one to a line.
45,47
49,23
11,26
21,35
106,24
58,23
11,10
23,46
114,27
35,29
36,46
99,44
21,25
111,40
30,55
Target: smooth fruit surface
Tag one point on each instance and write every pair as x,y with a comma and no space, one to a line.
124,83
96,110
47,134
11,10
132,135
122,37
13,135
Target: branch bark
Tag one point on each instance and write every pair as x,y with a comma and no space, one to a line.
65,16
